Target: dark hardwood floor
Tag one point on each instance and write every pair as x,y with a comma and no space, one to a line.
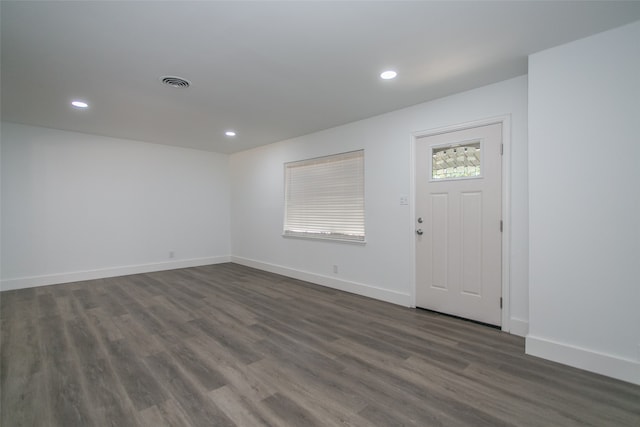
227,345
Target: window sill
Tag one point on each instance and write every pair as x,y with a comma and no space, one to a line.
326,239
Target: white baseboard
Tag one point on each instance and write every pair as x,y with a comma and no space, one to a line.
518,327
77,276
330,282
589,360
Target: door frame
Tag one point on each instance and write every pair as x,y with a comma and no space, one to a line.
505,121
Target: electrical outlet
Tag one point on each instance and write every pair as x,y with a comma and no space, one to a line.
335,269
404,199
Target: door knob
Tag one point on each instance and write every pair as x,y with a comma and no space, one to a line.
419,232
420,220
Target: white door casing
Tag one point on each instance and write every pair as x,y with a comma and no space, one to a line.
459,255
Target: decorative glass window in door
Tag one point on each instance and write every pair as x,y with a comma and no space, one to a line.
461,160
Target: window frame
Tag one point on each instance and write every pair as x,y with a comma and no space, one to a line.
457,144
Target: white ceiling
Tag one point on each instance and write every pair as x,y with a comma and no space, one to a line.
270,70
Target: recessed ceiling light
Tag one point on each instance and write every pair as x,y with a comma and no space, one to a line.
389,74
230,133
79,104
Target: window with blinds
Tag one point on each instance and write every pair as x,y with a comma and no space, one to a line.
324,197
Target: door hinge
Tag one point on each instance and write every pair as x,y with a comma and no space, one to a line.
501,226
500,302
501,149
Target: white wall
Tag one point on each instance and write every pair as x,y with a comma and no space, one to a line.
584,110
382,268
77,206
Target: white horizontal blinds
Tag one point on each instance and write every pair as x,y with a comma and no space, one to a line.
324,197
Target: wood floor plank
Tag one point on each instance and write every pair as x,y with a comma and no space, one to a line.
201,411
427,404
485,397
327,398
21,372
105,324
227,313
549,404
204,373
286,350
290,413
110,406
66,392
239,409
143,341
230,345
235,372
65,307
178,292
241,347
167,414
86,297
140,385
110,305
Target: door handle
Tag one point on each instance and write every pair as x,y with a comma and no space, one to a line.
419,232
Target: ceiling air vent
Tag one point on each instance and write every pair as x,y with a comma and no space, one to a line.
176,82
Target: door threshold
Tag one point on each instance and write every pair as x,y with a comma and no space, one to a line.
477,322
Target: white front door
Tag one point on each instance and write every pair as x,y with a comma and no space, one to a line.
458,229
